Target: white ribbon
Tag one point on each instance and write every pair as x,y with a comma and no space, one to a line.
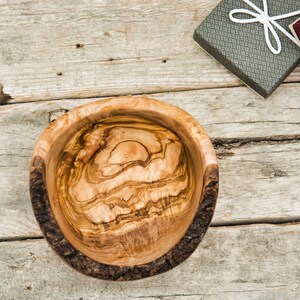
262,16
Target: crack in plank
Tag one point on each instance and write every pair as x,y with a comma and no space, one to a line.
228,224
234,143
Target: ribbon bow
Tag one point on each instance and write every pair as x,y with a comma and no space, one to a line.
262,16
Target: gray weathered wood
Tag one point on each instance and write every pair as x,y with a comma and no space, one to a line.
259,182
79,49
242,262
66,49
234,113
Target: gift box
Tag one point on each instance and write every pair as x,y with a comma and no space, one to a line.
252,39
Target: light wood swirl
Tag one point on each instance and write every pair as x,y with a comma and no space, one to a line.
122,184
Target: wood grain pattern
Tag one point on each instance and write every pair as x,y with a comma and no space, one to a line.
54,49
126,192
122,184
240,262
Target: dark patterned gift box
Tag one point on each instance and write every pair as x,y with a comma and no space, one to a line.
252,39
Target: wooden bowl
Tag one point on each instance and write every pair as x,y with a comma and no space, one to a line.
124,188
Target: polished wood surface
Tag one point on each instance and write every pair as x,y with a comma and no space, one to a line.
124,177
125,189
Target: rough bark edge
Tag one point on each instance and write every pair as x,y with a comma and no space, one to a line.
80,262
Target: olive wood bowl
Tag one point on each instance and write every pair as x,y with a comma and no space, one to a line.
124,188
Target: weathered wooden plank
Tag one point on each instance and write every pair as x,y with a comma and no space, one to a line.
242,262
258,183
234,113
66,49
255,178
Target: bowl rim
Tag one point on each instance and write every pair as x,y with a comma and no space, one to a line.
50,228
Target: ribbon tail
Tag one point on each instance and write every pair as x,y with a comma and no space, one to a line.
268,28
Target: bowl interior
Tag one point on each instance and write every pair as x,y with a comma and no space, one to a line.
124,187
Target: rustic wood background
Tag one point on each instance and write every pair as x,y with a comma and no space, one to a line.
55,55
